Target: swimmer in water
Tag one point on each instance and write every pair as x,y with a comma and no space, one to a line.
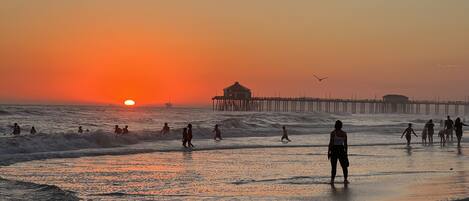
33,131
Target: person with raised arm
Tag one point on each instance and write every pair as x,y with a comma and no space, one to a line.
408,134
458,128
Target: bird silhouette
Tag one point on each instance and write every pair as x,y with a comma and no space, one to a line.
320,79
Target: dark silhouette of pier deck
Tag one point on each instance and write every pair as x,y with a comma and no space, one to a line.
354,106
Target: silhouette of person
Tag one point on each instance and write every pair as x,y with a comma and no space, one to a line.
165,129
449,126
285,134
408,134
33,131
80,129
184,137
424,135
125,130
458,127
16,129
217,132
430,130
441,134
117,130
338,151
189,135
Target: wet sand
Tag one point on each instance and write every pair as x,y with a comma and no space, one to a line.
378,172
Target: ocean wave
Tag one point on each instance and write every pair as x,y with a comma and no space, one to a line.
3,112
19,190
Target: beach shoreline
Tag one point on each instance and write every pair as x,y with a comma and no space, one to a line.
203,145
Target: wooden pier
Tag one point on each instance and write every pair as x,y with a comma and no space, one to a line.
354,106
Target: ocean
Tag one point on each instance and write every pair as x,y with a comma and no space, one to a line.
249,164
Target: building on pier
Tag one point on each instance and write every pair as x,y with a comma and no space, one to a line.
237,91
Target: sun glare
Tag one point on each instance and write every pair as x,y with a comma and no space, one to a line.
129,102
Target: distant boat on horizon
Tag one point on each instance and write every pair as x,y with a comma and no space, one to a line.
168,105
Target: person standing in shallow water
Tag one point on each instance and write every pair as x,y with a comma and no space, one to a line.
408,134
16,129
165,129
189,135
117,130
285,134
217,132
125,130
458,128
430,130
449,126
184,137
338,151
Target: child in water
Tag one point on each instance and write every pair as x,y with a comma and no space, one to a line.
408,134
442,137
424,135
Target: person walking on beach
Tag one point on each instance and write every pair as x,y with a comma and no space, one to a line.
80,129
165,129
285,134
408,134
16,129
33,131
184,137
338,151
217,132
458,127
430,130
449,126
189,135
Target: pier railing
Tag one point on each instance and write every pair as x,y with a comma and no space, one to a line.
329,105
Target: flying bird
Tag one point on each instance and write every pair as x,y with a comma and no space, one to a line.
319,79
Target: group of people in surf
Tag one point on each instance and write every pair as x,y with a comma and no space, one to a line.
17,130
187,134
121,131
446,131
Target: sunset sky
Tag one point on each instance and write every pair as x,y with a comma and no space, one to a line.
188,51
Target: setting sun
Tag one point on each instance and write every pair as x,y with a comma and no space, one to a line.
129,102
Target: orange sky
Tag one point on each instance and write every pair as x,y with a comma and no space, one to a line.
187,51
